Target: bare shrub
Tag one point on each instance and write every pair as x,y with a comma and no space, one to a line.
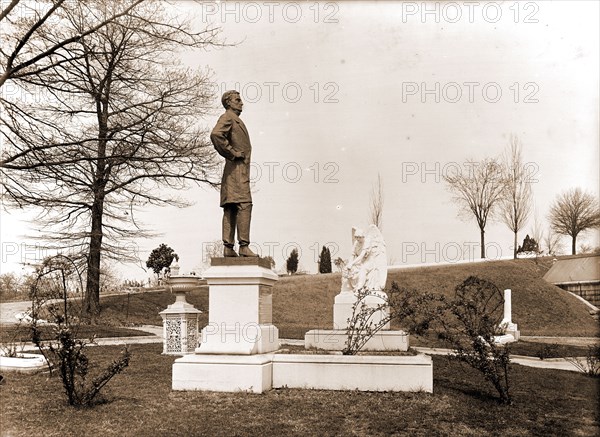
590,364
63,349
474,322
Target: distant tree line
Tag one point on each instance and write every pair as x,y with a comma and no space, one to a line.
501,189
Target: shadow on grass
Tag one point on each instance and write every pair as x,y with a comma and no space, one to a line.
472,383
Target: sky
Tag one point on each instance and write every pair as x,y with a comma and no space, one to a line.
337,93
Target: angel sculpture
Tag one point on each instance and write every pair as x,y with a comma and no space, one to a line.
368,267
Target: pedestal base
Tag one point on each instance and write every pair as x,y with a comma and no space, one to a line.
511,328
515,333
335,340
343,303
246,339
259,373
225,373
352,372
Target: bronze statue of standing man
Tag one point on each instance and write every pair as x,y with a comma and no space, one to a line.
230,138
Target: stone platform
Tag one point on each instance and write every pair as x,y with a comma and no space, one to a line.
262,372
225,373
240,261
353,372
335,340
237,351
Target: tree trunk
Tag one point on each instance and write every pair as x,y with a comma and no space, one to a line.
91,305
574,246
515,247
482,243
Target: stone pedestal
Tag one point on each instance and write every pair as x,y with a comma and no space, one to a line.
180,327
240,319
344,301
233,354
224,373
335,339
510,328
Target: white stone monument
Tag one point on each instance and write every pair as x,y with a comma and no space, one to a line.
510,328
367,270
233,354
363,277
238,347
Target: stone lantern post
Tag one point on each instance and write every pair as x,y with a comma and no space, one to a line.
180,319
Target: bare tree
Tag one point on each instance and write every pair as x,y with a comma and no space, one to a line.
477,192
376,204
552,243
24,23
573,212
537,232
585,248
515,206
119,131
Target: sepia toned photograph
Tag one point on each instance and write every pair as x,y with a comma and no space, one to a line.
273,218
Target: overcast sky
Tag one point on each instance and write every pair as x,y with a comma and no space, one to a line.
336,93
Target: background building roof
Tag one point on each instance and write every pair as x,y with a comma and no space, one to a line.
574,269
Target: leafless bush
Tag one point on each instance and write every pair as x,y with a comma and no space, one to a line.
63,350
590,364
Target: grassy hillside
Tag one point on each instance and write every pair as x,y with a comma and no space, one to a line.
143,308
539,308
301,303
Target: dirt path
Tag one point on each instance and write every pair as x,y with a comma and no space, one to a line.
573,341
8,311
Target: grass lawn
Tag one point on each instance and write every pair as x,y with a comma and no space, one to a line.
545,350
527,348
14,333
11,296
140,402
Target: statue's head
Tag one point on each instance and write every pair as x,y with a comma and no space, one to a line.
359,234
231,99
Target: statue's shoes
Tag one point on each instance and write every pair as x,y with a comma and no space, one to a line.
228,252
245,251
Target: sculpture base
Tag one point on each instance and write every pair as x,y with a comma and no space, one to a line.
516,334
246,339
259,373
504,339
335,340
511,328
240,305
353,372
224,373
344,301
